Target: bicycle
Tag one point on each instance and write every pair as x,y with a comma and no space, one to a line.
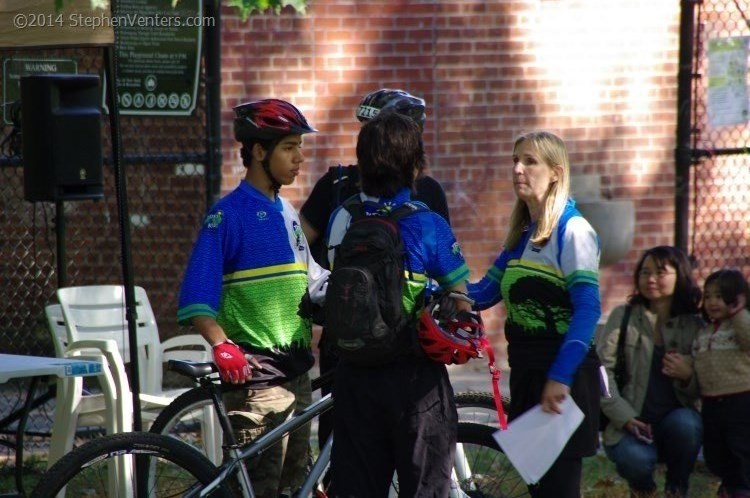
169,467
191,415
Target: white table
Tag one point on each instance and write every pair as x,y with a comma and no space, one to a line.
13,366
18,366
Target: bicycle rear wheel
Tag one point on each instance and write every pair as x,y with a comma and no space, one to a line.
104,467
192,418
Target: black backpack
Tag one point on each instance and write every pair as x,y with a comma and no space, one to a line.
365,316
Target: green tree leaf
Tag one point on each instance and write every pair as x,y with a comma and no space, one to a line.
248,7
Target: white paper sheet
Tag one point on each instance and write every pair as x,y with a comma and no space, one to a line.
534,440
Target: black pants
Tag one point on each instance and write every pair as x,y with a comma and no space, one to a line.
398,417
328,359
726,439
563,479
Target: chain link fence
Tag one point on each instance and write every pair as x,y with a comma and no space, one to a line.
720,183
164,170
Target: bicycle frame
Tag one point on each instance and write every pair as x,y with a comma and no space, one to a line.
239,454
160,463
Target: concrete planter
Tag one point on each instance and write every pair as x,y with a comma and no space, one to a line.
614,222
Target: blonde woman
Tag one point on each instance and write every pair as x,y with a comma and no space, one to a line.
548,276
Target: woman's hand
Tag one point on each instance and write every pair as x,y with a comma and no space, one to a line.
553,395
641,430
675,365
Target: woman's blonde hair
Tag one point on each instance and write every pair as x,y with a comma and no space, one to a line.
551,150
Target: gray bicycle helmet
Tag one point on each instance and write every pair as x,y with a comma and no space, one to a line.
398,100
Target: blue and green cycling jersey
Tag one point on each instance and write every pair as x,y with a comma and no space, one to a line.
249,269
551,296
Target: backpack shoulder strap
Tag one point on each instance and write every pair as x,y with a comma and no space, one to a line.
404,210
621,374
341,181
623,329
401,212
355,206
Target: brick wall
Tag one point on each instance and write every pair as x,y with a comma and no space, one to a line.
601,75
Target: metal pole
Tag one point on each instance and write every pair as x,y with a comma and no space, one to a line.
212,52
62,267
683,150
110,62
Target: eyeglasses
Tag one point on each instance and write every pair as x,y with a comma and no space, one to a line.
659,274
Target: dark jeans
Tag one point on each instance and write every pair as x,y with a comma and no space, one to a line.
398,417
677,441
726,446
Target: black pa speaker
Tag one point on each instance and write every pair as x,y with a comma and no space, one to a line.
61,130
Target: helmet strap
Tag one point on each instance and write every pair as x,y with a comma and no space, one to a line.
266,164
275,185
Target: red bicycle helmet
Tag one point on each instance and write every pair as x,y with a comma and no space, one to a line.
267,120
453,341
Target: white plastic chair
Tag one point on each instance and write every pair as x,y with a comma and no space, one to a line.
90,409
98,311
113,408
90,321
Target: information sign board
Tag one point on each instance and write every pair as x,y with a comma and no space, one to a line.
158,56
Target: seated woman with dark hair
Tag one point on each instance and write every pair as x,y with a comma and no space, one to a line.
652,417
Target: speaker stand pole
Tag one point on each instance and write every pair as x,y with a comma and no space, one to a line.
121,191
62,267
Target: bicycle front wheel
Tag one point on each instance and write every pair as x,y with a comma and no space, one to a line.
479,408
481,469
105,467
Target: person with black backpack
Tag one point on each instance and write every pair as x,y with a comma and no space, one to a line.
338,184
394,405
